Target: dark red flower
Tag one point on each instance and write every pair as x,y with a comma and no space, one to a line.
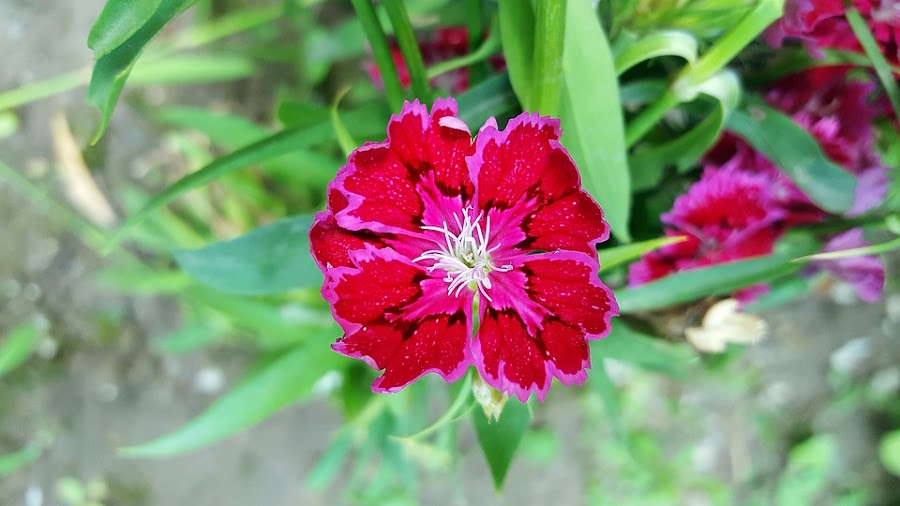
423,228
728,215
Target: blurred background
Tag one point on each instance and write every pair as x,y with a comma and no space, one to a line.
121,355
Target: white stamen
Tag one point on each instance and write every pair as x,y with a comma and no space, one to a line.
465,256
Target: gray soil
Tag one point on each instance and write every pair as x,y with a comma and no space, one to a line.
97,382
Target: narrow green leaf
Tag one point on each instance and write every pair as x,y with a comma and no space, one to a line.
654,45
627,345
9,123
381,52
12,461
295,114
684,151
517,27
695,284
460,405
873,249
191,69
136,278
189,338
591,116
409,46
870,46
112,70
613,257
602,385
487,48
118,21
287,380
549,37
345,140
331,461
781,291
500,440
796,152
271,259
17,347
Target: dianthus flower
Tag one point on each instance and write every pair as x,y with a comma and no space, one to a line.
822,24
728,215
440,253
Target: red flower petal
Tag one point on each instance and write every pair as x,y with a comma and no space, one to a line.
574,223
567,352
523,161
508,359
567,284
375,291
436,344
376,344
331,245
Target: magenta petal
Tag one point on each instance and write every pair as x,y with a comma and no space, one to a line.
508,359
331,245
865,273
436,344
566,283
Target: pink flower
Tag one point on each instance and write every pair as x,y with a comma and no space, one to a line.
865,272
728,215
822,24
427,226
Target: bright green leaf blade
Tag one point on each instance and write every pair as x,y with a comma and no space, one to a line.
517,22
191,69
288,379
550,26
271,259
591,116
345,140
695,284
112,70
889,450
118,21
9,123
684,151
331,461
499,440
458,406
295,114
17,347
627,345
870,46
613,257
873,249
656,44
188,338
780,292
12,461
797,153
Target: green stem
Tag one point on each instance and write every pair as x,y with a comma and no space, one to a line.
487,48
649,117
870,46
409,46
548,53
475,28
381,51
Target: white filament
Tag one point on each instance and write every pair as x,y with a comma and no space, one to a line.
465,256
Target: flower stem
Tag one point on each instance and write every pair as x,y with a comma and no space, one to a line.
381,51
870,46
403,30
548,53
648,117
487,48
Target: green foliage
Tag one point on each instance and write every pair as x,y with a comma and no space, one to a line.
13,461
499,440
17,347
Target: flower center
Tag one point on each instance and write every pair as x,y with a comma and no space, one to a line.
464,256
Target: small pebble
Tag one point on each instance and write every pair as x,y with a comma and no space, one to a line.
107,392
848,358
843,294
885,383
892,305
209,380
329,382
34,496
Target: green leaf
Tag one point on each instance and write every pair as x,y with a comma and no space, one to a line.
331,461
601,384
192,69
613,257
189,338
550,26
873,249
295,114
500,440
112,70
591,116
345,140
118,21
17,347
781,291
288,379
889,450
628,345
696,284
797,153
517,27
492,97
684,151
656,44
271,259
459,406
870,46
12,461
9,123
